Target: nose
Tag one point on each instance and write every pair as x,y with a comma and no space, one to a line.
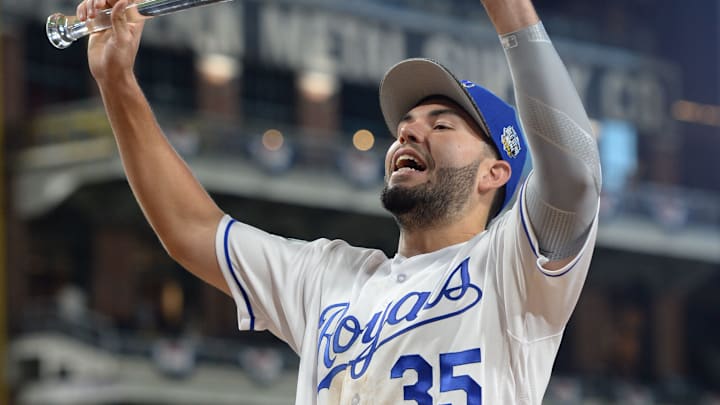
410,132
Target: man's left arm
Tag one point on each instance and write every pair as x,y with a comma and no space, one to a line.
562,195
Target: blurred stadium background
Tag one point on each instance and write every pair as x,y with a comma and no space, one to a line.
274,105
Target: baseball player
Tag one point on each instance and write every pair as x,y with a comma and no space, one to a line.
465,312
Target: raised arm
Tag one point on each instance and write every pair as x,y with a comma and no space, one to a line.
563,193
511,15
180,211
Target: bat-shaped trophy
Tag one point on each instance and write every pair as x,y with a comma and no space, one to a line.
63,30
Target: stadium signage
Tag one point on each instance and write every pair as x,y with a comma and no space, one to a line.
359,44
614,83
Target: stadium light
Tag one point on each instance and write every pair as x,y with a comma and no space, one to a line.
218,69
363,140
318,86
697,113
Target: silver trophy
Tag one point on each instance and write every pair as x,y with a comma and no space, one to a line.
63,30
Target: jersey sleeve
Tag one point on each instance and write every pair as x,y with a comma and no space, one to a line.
538,301
270,278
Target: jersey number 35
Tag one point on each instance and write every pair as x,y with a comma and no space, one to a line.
418,392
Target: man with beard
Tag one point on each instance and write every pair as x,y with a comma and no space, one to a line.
465,312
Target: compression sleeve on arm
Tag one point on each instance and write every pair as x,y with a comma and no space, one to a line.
563,192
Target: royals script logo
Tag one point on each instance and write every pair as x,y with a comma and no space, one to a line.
340,330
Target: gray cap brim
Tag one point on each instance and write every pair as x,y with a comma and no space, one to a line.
412,80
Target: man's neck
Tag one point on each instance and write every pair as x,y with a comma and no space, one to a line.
425,240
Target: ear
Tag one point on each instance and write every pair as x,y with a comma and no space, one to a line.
494,173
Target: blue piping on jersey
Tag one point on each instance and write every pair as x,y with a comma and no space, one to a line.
522,219
237,281
534,248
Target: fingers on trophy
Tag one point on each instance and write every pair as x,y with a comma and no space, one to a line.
63,30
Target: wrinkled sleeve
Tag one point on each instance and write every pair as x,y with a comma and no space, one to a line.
270,278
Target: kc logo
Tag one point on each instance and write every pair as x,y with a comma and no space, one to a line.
340,330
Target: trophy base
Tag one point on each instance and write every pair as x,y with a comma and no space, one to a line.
58,31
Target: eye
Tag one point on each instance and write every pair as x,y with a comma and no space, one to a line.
441,126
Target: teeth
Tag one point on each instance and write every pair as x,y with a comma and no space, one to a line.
402,158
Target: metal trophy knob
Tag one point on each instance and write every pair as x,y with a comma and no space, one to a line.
63,30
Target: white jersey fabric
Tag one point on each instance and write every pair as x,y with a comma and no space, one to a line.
478,322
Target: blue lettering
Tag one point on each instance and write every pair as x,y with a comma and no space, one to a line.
451,287
368,336
350,324
420,299
340,331
325,322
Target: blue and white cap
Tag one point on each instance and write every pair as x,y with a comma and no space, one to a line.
409,82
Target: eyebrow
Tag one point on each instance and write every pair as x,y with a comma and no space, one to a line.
433,114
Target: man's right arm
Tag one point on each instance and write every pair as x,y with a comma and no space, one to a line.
177,207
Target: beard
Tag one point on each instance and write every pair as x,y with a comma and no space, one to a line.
431,203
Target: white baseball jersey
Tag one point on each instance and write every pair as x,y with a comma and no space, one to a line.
478,322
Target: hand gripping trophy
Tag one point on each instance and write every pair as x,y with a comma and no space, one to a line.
63,30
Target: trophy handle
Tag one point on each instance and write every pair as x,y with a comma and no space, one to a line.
63,30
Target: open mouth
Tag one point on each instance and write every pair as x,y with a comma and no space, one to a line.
406,162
